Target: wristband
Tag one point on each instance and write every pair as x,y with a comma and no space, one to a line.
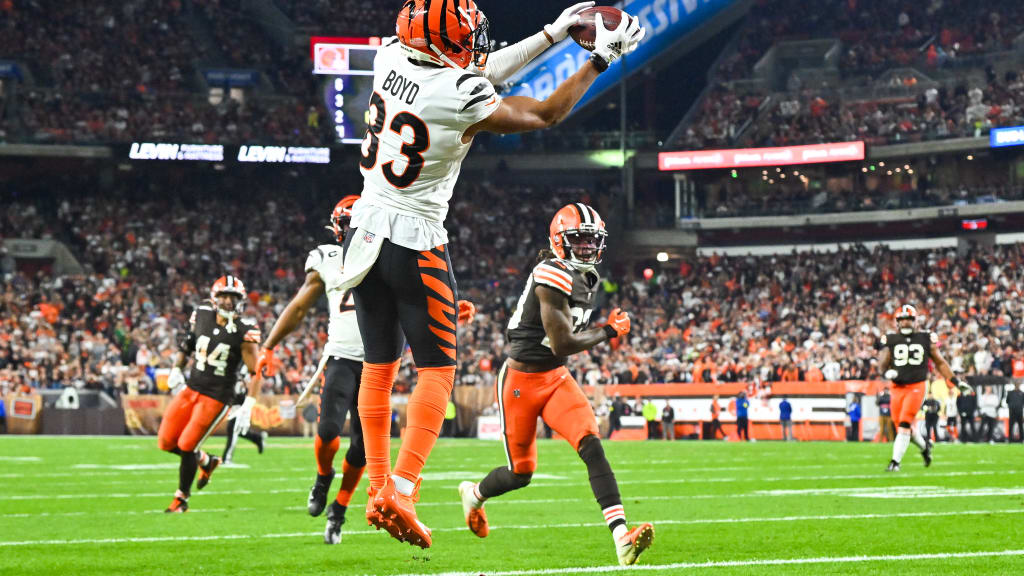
600,63
610,332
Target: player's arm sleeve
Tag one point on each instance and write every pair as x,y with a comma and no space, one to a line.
187,337
476,99
501,65
553,277
252,333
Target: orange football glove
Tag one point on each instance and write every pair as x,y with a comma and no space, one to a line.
265,365
466,312
618,324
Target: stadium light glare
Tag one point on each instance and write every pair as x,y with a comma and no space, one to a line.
864,169
881,164
662,256
970,157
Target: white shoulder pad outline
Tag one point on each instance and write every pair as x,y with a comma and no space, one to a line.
314,259
549,275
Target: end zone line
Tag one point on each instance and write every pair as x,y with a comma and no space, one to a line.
365,531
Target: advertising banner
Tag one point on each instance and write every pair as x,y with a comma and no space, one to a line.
1002,137
231,77
756,157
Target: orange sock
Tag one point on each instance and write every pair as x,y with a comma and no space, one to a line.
424,418
375,414
350,477
325,452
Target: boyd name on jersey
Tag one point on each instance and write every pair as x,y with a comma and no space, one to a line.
910,354
343,339
528,341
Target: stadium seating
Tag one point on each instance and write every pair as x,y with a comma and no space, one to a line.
740,319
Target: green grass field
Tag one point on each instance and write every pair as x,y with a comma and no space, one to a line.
94,506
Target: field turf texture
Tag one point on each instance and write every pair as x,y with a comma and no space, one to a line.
93,505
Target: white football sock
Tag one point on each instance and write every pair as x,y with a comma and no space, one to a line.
619,533
916,437
478,499
899,446
404,486
204,458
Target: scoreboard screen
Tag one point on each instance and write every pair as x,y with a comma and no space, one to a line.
346,65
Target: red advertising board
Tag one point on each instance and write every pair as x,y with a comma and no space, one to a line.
754,157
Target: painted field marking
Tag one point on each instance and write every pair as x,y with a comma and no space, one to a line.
736,564
364,531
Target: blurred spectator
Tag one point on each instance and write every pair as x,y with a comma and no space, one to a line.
988,405
884,403
668,421
931,417
1015,405
742,425
786,419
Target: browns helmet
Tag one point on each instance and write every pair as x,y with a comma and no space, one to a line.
341,217
907,312
228,285
453,33
577,235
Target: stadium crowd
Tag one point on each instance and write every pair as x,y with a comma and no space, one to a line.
877,36
133,75
148,260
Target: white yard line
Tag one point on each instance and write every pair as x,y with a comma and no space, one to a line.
906,491
364,531
736,564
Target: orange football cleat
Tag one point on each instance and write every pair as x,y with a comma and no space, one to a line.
178,506
636,541
476,518
206,471
396,514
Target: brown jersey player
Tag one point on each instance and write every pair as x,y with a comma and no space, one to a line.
549,325
219,341
904,360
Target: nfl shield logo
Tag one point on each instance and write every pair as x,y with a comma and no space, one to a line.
368,237
516,392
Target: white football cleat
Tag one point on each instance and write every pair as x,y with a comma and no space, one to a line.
636,541
476,518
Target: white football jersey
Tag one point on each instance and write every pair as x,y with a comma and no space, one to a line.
343,338
413,150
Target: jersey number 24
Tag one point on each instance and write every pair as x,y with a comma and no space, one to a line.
412,150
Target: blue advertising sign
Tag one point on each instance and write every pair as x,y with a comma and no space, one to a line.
667,21
1000,137
230,77
9,69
